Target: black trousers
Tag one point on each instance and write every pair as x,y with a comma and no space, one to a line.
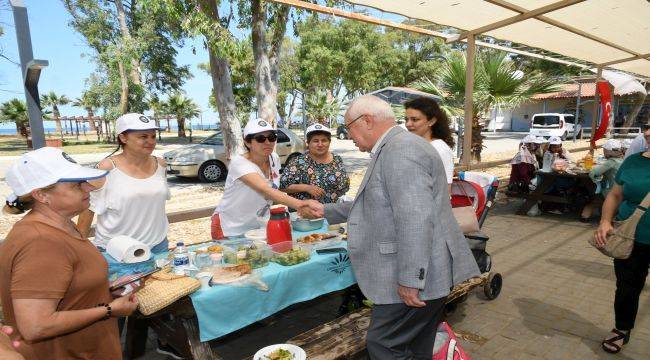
400,332
630,279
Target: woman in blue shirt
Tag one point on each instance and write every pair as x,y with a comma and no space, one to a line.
632,184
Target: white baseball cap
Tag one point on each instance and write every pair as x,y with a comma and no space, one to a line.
530,138
539,140
44,167
555,140
257,126
134,121
612,144
317,128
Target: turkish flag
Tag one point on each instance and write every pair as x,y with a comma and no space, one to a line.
605,93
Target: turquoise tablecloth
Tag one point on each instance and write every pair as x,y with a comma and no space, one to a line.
223,309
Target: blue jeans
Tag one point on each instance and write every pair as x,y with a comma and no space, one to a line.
117,269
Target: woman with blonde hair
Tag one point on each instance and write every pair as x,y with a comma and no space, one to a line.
53,282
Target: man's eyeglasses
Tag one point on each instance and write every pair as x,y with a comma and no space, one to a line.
261,138
347,126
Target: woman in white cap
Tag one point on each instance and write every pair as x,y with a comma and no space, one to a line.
603,175
317,174
53,282
523,166
252,184
425,118
131,199
555,148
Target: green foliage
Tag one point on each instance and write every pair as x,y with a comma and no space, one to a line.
148,53
321,108
15,111
182,108
52,101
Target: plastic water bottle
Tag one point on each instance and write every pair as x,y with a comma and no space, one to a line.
548,160
181,258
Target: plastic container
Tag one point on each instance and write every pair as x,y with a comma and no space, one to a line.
289,253
257,255
307,224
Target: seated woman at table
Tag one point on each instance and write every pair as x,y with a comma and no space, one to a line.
555,148
252,185
317,174
603,175
425,118
53,281
523,166
542,146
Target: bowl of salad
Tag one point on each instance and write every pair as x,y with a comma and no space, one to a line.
281,352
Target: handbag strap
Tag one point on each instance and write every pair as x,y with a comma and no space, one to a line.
645,203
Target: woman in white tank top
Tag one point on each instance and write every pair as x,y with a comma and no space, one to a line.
425,118
131,199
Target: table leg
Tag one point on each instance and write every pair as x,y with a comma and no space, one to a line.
198,350
533,198
136,337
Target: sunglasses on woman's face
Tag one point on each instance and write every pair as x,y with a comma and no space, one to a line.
261,138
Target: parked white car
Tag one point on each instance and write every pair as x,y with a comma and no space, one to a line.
554,124
207,159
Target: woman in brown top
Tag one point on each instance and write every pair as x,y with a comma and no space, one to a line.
54,282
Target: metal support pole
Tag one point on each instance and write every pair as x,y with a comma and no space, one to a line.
595,116
31,70
576,122
469,92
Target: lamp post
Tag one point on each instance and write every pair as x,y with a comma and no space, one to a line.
31,71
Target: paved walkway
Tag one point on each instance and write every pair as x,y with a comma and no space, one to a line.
557,298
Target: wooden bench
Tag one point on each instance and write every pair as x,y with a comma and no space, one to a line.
343,338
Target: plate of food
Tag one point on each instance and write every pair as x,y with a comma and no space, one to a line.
320,241
256,234
281,352
230,273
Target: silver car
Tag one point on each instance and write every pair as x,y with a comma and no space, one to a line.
207,159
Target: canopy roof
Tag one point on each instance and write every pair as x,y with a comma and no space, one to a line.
602,32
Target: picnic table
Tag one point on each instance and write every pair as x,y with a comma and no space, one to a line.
192,321
547,179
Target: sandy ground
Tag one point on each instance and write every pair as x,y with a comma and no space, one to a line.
190,194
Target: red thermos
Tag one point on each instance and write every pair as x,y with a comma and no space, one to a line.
278,229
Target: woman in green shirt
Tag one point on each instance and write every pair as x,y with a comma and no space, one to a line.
632,184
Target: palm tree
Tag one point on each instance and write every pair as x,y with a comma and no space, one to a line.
321,108
158,107
89,103
15,110
496,82
183,108
52,100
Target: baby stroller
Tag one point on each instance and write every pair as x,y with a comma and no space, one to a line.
477,190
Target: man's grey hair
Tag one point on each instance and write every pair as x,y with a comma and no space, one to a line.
371,105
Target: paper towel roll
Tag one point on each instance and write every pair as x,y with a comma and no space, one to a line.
126,249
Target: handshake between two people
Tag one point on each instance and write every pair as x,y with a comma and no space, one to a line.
311,209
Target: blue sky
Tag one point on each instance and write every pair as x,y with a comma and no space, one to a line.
71,62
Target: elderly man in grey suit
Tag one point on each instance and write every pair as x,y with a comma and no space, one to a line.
405,246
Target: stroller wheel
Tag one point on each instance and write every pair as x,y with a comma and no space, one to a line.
492,288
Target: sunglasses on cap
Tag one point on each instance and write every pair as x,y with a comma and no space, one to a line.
645,127
262,138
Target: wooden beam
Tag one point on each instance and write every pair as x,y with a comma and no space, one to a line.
563,26
415,29
637,57
518,18
469,95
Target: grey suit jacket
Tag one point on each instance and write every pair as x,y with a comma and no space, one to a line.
400,226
